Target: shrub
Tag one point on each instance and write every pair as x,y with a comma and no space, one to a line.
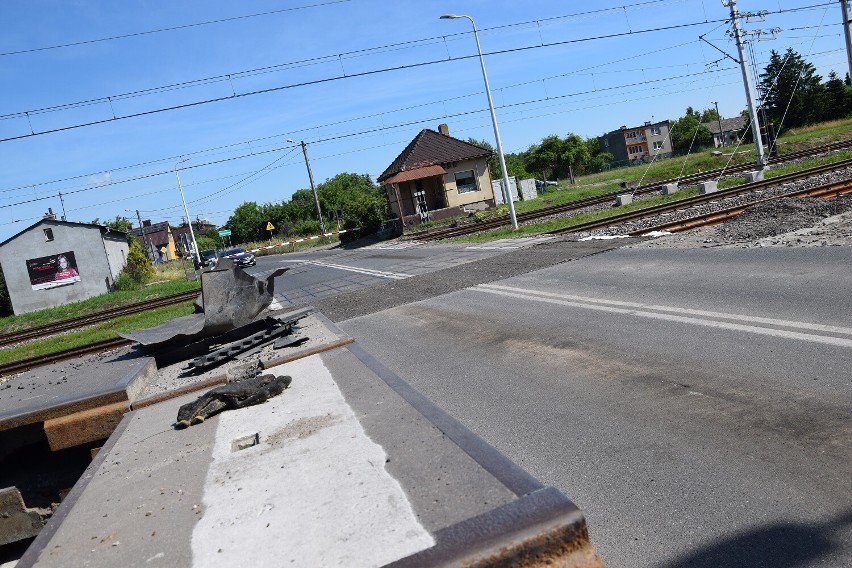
365,212
124,283
138,268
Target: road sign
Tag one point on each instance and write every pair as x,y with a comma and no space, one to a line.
269,226
225,233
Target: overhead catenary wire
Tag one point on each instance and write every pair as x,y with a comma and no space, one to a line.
298,84
168,29
428,119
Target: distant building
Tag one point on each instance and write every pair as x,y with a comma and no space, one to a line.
729,132
436,175
155,237
639,143
56,262
182,237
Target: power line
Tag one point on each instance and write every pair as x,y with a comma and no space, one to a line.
361,132
235,95
325,80
171,29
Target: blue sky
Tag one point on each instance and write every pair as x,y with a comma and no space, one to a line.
355,79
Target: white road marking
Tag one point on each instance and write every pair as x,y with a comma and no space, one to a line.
644,310
367,271
511,244
313,492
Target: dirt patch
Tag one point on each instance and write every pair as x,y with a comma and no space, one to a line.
302,428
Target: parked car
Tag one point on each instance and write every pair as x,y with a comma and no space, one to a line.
241,257
208,258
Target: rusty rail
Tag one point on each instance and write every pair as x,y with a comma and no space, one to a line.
716,217
64,355
52,328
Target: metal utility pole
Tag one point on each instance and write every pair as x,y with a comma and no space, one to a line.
847,29
755,124
63,206
142,231
719,117
313,187
185,210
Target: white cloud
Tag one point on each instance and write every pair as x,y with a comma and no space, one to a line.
101,179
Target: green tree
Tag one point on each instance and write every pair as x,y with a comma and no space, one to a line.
554,155
793,94
687,127
247,223
138,268
515,167
335,192
120,223
598,160
838,98
366,212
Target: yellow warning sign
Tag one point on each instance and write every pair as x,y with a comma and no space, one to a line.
270,226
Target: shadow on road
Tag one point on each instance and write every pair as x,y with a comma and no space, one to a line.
780,545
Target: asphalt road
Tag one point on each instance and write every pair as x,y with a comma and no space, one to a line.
694,403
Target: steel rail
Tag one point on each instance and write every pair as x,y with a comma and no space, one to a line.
608,197
714,218
57,327
64,355
701,199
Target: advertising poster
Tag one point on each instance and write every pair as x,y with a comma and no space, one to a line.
51,271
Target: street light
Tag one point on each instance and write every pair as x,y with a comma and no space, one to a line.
313,187
506,193
185,210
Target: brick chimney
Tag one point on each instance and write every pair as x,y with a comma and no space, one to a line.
146,223
444,129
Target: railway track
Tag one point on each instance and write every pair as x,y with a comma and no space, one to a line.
714,218
609,197
703,199
64,355
53,328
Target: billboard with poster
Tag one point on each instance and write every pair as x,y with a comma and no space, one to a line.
51,271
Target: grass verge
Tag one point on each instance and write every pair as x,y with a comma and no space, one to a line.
97,332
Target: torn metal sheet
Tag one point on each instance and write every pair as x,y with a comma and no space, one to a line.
231,297
273,330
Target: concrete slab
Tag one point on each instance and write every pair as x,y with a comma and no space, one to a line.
706,187
670,188
757,175
65,388
350,466
624,199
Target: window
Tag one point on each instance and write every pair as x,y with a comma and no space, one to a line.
635,149
466,182
658,145
655,131
48,235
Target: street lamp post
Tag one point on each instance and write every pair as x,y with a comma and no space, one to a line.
313,187
506,193
186,211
